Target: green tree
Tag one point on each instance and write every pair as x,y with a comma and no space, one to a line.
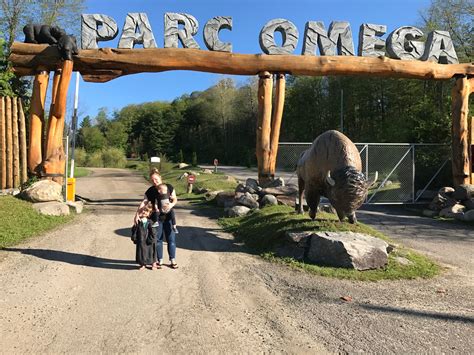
93,139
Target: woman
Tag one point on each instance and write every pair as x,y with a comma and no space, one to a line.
163,227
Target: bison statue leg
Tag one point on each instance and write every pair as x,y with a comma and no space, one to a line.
352,218
300,195
312,199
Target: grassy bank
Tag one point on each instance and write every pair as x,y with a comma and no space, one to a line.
263,230
19,221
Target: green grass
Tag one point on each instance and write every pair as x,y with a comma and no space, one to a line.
78,171
19,221
263,230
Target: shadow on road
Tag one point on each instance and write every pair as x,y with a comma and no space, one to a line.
76,259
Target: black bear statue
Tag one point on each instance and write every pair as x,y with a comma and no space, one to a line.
52,35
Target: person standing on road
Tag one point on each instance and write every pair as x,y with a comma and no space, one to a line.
164,227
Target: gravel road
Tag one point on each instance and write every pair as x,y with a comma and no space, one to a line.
77,290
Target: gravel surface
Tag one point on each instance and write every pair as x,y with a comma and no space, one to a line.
77,290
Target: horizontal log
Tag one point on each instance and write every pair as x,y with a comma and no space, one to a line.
104,64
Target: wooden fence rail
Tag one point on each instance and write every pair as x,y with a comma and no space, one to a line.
13,166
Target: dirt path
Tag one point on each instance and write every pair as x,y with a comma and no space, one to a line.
77,290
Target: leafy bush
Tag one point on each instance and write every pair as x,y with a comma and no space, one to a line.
95,160
80,157
113,158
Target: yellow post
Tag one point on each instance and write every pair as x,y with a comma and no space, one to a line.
71,189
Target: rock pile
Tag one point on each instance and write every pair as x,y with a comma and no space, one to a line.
455,203
251,196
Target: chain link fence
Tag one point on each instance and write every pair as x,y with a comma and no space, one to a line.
408,173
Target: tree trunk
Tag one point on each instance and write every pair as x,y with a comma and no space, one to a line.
38,98
55,157
265,87
16,146
276,120
460,146
22,132
9,141
3,143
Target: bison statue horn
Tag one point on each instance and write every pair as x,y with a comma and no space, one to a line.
329,179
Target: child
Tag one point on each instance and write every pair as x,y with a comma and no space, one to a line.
164,196
145,239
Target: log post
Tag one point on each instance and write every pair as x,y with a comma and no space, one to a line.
471,143
54,163
460,148
278,105
265,87
22,133
9,142
38,98
3,143
16,146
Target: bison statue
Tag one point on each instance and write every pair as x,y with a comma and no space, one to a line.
332,168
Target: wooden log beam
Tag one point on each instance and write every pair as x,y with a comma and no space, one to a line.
22,133
9,141
108,63
54,162
279,103
265,88
35,144
460,131
16,145
3,144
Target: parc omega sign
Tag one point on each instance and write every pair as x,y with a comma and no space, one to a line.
403,43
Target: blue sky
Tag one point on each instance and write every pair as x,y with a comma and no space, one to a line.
249,16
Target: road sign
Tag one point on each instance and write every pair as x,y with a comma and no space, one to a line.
191,179
216,162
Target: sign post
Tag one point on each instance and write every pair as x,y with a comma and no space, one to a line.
216,162
191,181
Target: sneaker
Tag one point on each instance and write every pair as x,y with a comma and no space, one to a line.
156,224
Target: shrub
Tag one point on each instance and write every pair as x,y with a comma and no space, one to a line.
195,159
80,157
114,158
95,160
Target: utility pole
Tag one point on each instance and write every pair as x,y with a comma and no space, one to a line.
71,181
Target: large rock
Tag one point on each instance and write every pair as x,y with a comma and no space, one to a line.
282,190
295,245
286,200
52,208
211,195
43,191
275,183
247,200
349,250
237,211
252,183
182,165
440,202
469,204
450,212
469,216
268,200
446,191
463,192
225,199
76,206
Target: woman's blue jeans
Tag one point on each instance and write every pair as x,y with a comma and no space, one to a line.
165,230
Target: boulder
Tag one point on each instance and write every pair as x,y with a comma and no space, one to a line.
182,165
286,200
230,179
450,212
281,190
469,204
429,213
76,206
237,211
268,200
349,250
463,192
43,191
446,191
469,216
240,188
9,192
224,198
275,183
207,171
247,200
403,261
252,183
440,202
295,245
326,207
52,208
211,195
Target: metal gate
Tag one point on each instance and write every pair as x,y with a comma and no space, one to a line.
408,173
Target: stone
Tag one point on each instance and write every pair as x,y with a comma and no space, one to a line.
173,33
286,200
446,191
440,202
247,200
223,198
130,36
10,192
429,213
268,200
43,191
295,245
449,212
469,216
402,44
289,34
52,208
280,190
369,44
230,179
75,206
326,207
275,183
182,165
207,172
252,183
249,190
95,28
211,195
459,216
403,261
439,48
463,192
349,250
469,204
240,188
237,211
211,33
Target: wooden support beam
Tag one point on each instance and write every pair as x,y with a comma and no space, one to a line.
265,88
104,64
460,147
9,141
35,147
54,163
22,134
3,144
16,145
278,105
